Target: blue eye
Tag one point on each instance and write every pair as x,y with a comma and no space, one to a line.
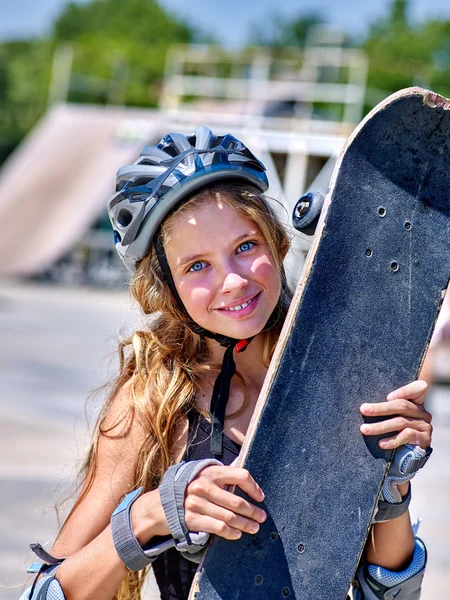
198,266
246,246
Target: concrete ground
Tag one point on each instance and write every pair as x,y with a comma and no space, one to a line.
53,344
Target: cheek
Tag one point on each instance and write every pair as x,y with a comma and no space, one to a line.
194,294
263,268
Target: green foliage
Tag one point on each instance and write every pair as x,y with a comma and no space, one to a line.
401,55
123,43
278,33
120,46
119,53
142,22
24,81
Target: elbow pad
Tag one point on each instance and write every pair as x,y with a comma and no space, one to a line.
377,583
47,588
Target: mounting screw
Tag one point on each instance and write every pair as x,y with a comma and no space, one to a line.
286,592
258,580
301,548
273,535
368,252
382,211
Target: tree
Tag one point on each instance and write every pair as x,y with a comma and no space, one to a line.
279,33
125,42
24,81
119,48
401,55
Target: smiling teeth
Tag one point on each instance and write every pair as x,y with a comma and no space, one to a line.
240,306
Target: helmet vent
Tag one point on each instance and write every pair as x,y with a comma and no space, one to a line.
120,184
168,149
142,181
124,217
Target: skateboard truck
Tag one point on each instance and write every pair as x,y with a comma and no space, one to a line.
307,212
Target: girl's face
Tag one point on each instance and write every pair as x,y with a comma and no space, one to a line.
223,270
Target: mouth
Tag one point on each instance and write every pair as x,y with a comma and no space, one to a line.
239,307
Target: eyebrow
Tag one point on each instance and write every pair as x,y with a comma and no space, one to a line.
194,257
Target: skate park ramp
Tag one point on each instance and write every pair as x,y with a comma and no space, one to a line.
50,188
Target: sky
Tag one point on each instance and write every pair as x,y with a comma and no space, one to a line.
230,21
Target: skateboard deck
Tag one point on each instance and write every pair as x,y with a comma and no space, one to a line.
359,326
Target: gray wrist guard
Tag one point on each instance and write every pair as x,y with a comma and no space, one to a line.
377,583
172,491
407,461
128,548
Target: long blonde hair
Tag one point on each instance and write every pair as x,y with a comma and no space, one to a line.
166,362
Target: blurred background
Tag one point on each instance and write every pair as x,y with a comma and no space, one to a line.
83,86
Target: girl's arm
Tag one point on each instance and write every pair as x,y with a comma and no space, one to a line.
391,544
93,569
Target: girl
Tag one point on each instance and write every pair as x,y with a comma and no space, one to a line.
191,222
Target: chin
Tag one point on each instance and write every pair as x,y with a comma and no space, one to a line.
243,331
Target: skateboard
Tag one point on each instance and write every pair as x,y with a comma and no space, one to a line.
358,327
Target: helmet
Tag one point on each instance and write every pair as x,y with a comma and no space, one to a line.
164,175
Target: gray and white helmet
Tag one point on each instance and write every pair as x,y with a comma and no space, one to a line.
164,175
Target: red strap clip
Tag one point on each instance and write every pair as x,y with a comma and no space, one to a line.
242,345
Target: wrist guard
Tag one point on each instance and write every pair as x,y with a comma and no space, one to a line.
407,461
172,492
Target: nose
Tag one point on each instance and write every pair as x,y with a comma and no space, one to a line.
233,282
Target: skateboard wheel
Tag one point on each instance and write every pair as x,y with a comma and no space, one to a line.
307,212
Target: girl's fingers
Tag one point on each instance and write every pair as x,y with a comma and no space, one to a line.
396,424
414,391
231,502
407,436
232,476
197,507
214,526
211,508
402,407
410,419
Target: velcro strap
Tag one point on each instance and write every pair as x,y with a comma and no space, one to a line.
44,555
125,542
172,491
413,463
408,460
386,511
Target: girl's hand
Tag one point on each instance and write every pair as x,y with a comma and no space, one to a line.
209,507
411,422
